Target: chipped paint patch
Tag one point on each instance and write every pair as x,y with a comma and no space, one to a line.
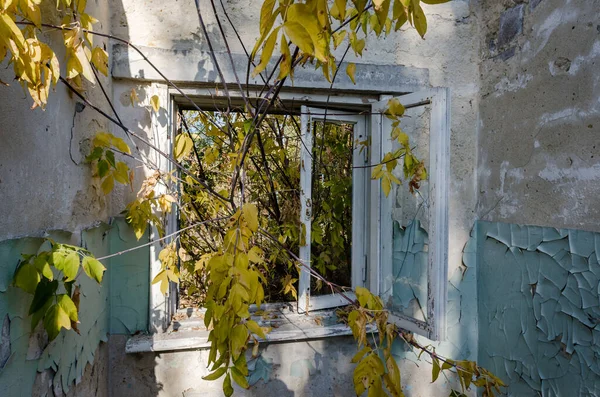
505,85
539,308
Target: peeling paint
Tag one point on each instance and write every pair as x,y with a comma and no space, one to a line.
539,308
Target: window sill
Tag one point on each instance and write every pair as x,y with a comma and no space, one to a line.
188,332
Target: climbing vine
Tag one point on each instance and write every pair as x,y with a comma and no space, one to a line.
240,232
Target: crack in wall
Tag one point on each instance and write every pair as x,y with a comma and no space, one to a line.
539,308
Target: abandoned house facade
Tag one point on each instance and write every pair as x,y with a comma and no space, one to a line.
505,96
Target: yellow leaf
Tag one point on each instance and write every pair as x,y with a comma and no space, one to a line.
338,10
267,51
183,146
285,66
299,36
163,279
250,212
351,71
83,55
266,20
154,101
108,184
100,60
133,97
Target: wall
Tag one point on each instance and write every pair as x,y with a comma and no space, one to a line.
539,113
538,165
447,58
46,189
539,307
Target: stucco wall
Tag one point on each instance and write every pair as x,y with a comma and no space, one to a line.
539,113
447,58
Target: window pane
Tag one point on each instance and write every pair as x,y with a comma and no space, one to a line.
410,215
331,232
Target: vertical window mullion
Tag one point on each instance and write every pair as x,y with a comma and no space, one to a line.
305,208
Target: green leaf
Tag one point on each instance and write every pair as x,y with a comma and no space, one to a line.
238,337
110,157
239,378
93,268
55,319
27,278
102,168
38,315
69,265
65,302
41,263
435,372
419,20
215,375
44,291
227,388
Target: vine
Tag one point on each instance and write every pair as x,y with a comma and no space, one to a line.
239,238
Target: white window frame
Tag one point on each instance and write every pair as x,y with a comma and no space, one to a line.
306,301
381,224
378,231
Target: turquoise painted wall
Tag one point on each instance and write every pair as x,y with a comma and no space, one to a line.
539,308
102,310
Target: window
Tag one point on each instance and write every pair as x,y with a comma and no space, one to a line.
399,243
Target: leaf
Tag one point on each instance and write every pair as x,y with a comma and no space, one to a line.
155,102
27,278
266,19
68,264
55,319
338,10
215,375
39,314
360,354
239,378
238,337
299,36
100,60
250,212
256,329
121,173
119,144
108,184
227,388
41,262
44,291
93,268
183,146
267,51
285,67
394,109
435,372
434,1
420,20
65,302
162,278
351,71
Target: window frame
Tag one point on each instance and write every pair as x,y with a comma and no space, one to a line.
162,308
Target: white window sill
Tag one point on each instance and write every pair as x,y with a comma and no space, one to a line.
187,331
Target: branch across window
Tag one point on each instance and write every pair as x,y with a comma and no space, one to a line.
317,170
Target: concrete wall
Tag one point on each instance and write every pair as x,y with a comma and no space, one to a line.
539,113
46,189
447,58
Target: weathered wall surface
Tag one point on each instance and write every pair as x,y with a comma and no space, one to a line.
539,308
44,182
539,126
447,58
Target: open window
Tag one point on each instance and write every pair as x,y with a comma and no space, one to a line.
409,231
397,246
333,193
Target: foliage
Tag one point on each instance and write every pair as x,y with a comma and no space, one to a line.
240,232
50,277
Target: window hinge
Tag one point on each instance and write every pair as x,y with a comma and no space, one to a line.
364,271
